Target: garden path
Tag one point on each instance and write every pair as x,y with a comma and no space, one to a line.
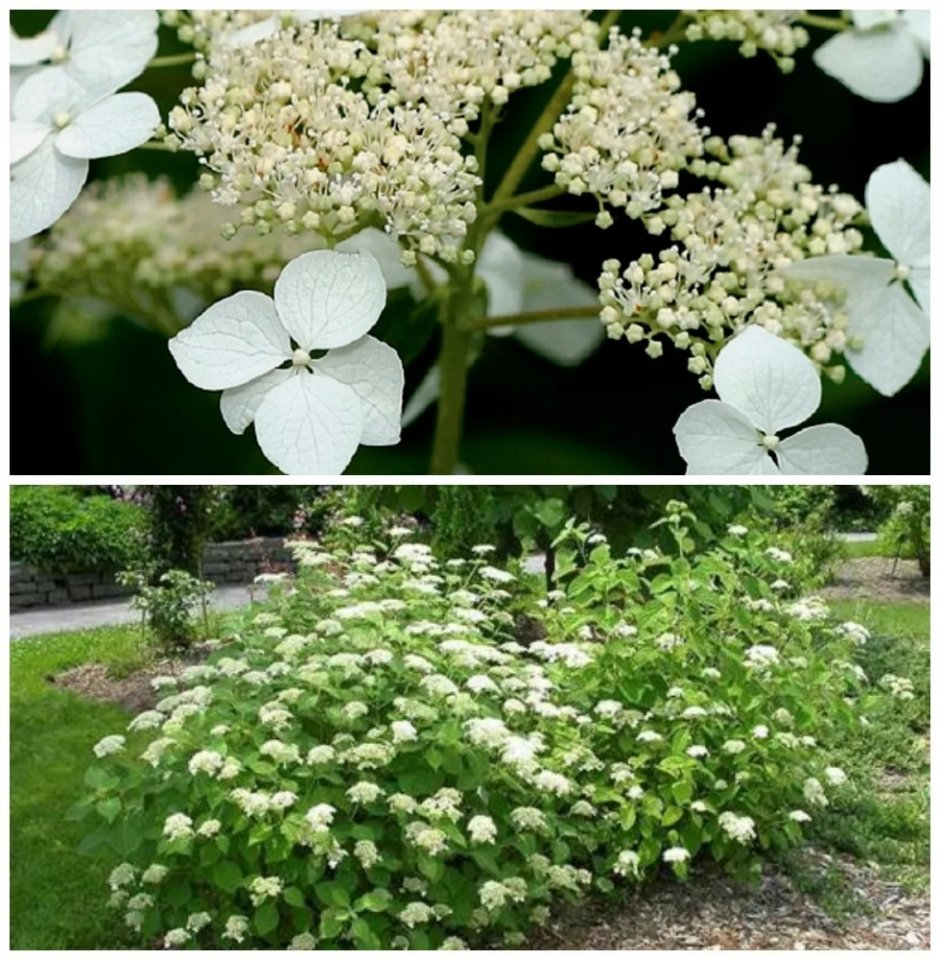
84,616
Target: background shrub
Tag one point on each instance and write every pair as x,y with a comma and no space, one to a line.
69,530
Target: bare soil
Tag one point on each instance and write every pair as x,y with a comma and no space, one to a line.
881,579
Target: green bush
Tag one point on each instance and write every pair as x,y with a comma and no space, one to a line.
246,511
906,529
374,760
62,530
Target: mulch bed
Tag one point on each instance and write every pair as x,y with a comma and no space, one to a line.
712,913
880,579
133,692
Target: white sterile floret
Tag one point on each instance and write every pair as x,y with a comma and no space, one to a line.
98,49
888,331
881,57
311,415
765,385
59,123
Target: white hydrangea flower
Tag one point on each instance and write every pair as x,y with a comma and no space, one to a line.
415,913
236,928
177,937
836,776
264,888
628,861
737,827
799,816
676,855
311,415
888,331
882,56
482,829
178,826
155,873
107,746
303,941
367,853
765,385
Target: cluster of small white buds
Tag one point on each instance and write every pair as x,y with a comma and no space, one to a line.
723,271
628,130
776,31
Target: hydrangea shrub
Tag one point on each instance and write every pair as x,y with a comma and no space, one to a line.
373,760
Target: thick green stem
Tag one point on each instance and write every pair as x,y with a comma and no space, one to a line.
535,316
452,366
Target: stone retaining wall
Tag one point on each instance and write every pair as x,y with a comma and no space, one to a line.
238,561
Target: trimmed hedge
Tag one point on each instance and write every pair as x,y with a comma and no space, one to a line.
61,529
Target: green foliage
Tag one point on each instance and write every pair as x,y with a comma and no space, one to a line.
251,510
885,815
375,761
906,531
169,606
462,518
179,526
60,529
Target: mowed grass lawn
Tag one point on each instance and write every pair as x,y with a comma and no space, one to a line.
58,896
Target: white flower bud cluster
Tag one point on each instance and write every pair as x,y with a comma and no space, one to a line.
722,272
203,28
628,130
453,61
298,129
775,31
133,234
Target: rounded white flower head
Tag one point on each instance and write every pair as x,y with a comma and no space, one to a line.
882,57
310,411
765,385
888,332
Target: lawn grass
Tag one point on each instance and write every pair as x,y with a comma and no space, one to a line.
57,896
860,549
883,816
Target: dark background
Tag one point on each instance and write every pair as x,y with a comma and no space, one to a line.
112,400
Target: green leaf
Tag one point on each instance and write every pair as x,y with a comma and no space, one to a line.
682,792
266,919
375,901
227,876
363,935
671,816
554,218
333,895
109,809
294,897
550,512
99,779
331,925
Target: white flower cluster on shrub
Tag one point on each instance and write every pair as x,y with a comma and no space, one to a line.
373,759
